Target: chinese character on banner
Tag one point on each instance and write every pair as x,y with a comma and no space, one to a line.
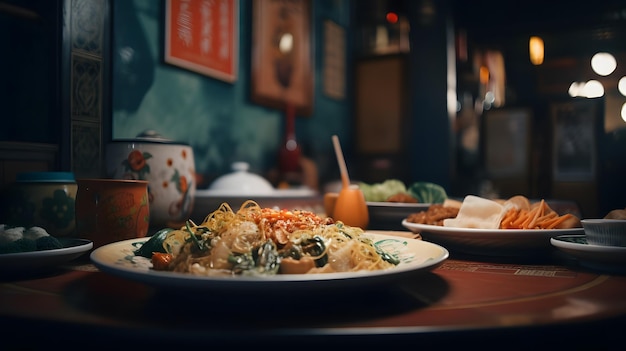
202,36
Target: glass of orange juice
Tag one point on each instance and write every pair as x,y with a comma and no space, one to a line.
351,208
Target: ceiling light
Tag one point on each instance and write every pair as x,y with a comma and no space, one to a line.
603,63
535,50
593,89
621,86
575,89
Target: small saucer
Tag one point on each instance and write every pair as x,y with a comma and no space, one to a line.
600,257
20,262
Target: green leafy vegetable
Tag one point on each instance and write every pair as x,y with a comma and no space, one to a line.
193,236
261,260
379,192
154,244
429,193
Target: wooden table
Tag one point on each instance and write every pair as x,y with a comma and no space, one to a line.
467,301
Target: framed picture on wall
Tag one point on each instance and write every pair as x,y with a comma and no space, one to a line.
202,36
574,151
281,55
507,142
334,73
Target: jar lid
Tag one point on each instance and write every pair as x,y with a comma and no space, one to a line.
58,177
150,137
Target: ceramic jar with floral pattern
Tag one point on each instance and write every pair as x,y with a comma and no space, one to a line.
169,168
42,199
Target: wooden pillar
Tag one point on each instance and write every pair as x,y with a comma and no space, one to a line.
431,156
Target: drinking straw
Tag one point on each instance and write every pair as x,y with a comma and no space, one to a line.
345,179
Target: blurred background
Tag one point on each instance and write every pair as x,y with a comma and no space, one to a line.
449,91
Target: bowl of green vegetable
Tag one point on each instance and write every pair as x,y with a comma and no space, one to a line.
391,201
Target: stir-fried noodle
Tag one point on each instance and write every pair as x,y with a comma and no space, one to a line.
261,241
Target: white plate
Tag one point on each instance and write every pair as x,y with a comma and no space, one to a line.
490,242
416,256
33,260
612,258
389,215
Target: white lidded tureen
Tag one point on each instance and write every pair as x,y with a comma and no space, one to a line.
241,182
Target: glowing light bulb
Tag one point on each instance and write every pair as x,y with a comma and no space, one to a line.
285,45
535,50
575,89
603,63
593,89
392,17
621,86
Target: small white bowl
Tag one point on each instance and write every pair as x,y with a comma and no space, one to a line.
606,232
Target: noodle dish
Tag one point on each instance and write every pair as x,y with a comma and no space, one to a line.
257,241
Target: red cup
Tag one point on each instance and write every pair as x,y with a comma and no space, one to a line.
110,210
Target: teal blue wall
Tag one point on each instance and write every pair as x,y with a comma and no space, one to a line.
216,118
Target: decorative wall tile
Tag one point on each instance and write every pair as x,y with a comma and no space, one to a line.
86,87
86,26
86,149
